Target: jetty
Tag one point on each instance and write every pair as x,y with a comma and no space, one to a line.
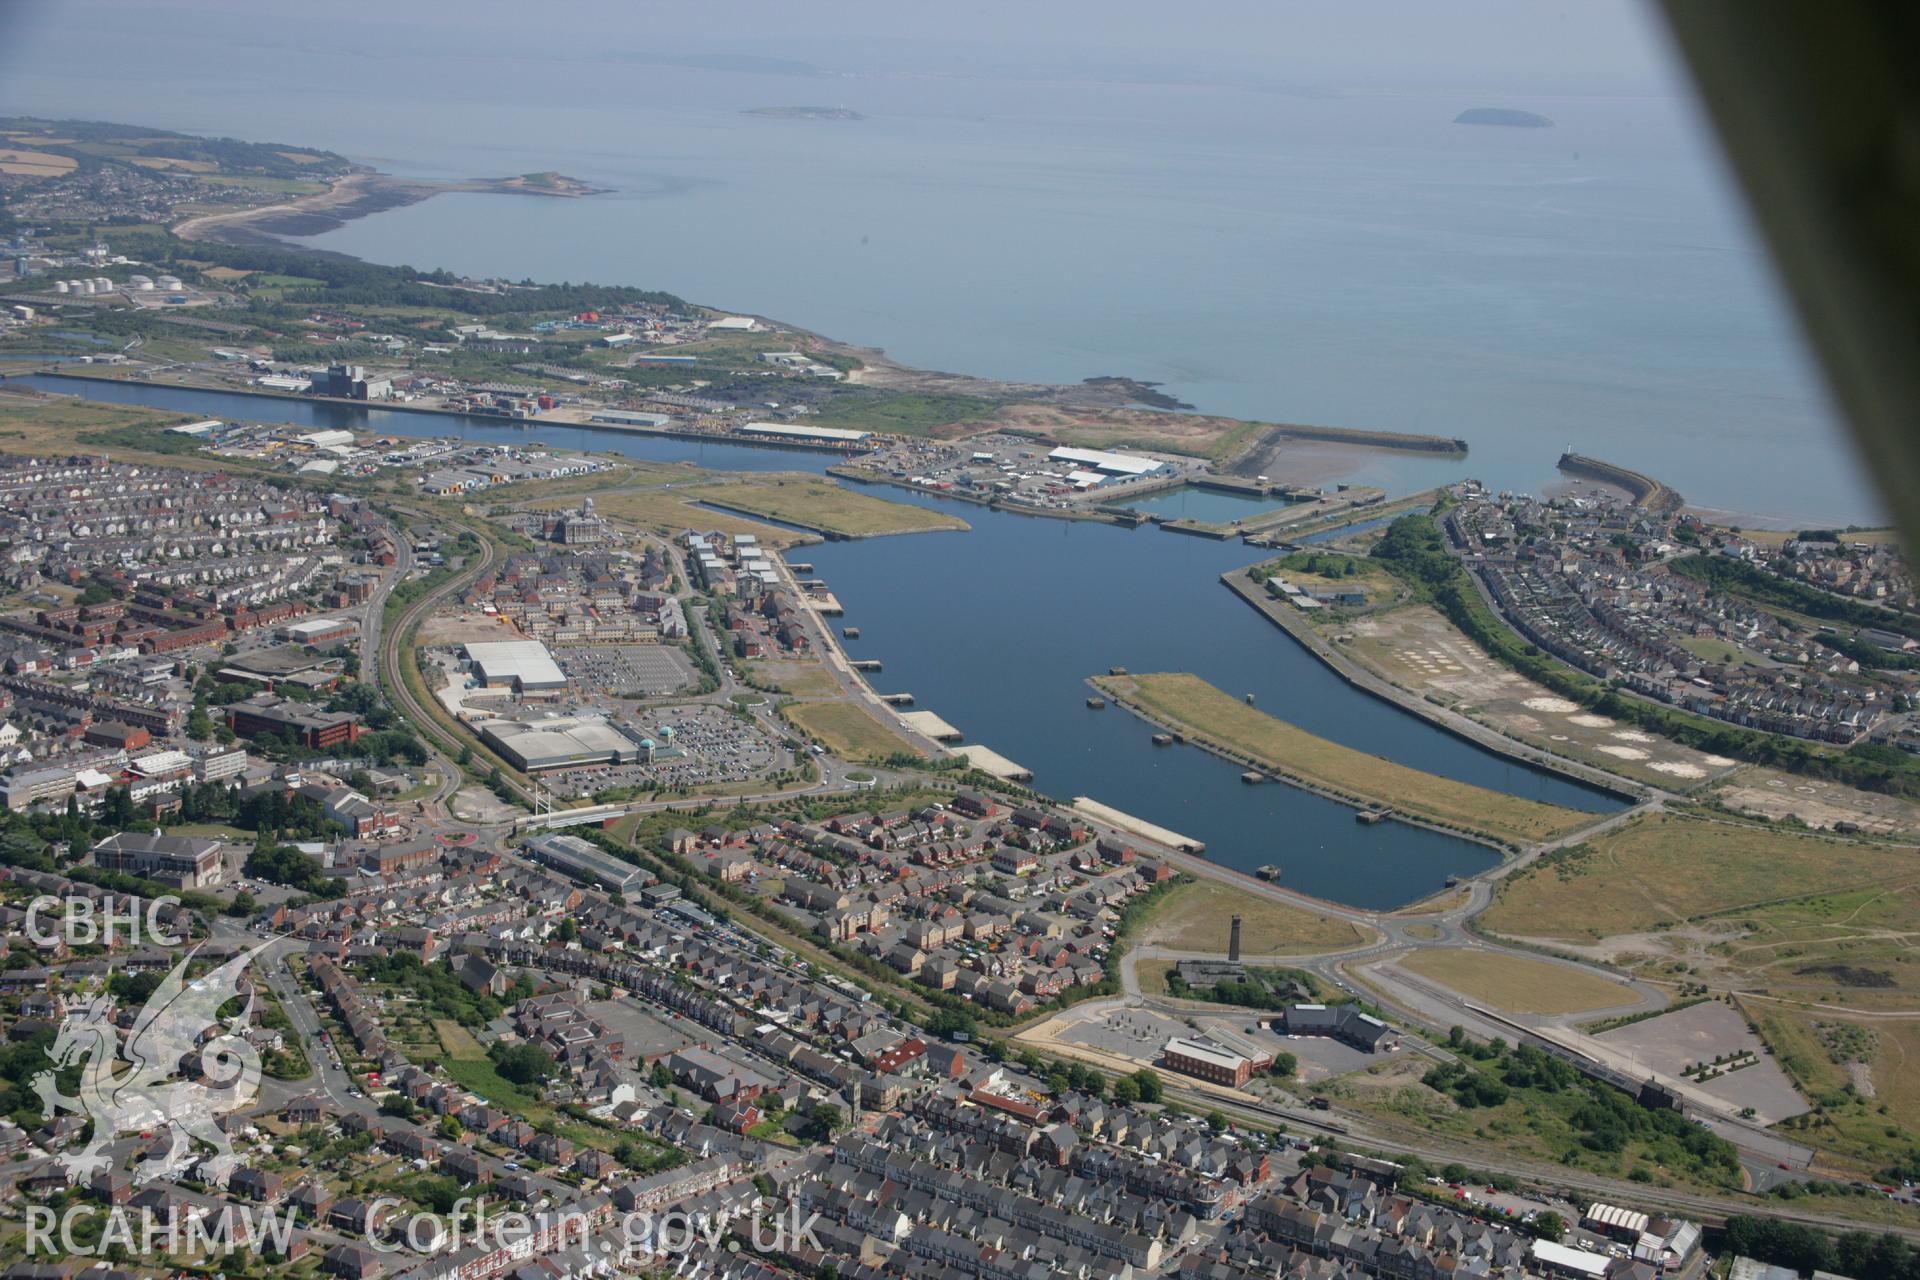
1253,777
1113,817
864,664
1097,704
987,760
897,699
1270,872
851,633
1371,816
1647,493
1162,739
931,725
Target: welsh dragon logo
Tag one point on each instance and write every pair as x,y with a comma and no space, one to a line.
187,1067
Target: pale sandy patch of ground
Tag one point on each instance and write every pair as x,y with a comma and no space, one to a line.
1677,769
477,804
1623,753
1418,649
462,626
1861,1074
1770,793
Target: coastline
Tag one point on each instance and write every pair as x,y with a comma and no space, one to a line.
365,192
356,195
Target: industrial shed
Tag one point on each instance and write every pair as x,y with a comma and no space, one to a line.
515,664
563,742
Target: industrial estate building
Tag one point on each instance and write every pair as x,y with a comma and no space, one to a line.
805,435
582,860
1342,1022
1094,468
521,665
563,742
1205,1060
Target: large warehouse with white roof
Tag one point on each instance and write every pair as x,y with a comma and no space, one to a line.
813,435
562,742
515,664
1102,466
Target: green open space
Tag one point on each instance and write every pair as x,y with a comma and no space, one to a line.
906,413
1518,1102
1515,983
848,730
823,505
1661,870
1195,916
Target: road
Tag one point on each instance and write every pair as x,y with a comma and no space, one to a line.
1426,1005
329,1078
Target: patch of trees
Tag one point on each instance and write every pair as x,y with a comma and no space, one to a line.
527,1065
1605,1120
436,986
1859,1254
285,865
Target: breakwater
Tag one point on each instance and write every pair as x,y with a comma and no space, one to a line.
1647,492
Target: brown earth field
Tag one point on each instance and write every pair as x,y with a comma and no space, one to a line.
1772,794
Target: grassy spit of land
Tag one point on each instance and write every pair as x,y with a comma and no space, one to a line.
1223,723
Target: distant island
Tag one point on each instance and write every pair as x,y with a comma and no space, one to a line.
805,113
1503,116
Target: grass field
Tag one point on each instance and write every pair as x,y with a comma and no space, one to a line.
848,731
1712,649
807,680
823,505
35,164
1196,916
1195,707
457,1040
1516,984
668,512
908,413
58,426
1664,869
566,491
1862,1131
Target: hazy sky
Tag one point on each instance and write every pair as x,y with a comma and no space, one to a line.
1569,46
